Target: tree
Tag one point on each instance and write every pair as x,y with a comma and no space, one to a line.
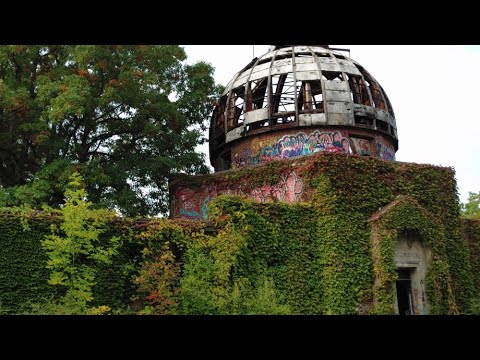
127,118
75,252
471,210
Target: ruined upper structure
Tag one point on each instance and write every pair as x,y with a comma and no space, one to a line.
296,100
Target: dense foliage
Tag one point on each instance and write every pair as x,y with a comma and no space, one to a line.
471,210
23,263
335,262
125,117
74,250
23,275
158,282
250,266
471,233
315,257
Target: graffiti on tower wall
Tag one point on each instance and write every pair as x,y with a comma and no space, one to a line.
290,146
384,151
193,204
361,146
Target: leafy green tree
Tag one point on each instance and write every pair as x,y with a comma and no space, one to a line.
75,251
126,117
471,209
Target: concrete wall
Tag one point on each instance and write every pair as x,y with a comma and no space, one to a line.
410,253
292,143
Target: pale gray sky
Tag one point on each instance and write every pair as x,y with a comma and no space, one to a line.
434,90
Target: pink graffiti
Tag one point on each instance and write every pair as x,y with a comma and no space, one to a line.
289,189
294,188
190,204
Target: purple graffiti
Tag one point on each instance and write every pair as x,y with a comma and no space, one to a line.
384,152
246,157
295,145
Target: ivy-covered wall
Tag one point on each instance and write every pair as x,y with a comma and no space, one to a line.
23,275
406,214
342,193
471,234
274,242
266,250
23,272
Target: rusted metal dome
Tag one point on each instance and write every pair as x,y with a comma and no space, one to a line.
296,100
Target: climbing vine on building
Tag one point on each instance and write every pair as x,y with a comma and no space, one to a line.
74,249
341,194
24,274
406,214
471,234
322,254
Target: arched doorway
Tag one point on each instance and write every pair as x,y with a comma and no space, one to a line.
412,259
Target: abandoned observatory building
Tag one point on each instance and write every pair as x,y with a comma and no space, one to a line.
309,126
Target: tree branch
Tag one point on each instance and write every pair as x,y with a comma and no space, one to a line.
106,113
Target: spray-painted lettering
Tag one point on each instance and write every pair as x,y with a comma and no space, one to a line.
190,204
385,152
295,145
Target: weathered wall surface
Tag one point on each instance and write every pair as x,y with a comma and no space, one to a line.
414,255
190,203
292,143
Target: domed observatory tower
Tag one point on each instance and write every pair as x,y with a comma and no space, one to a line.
298,100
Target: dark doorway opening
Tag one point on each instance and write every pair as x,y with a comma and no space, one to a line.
404,292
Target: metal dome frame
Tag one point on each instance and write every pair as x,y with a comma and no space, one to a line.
299,86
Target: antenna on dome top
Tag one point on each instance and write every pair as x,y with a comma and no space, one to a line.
253,50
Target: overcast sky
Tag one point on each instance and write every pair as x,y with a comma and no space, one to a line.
434,90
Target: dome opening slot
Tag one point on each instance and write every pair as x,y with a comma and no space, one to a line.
236,108
363,121
377,96
359,91
310,98
257,94
382,125
219,116
332,76
283,90
389,105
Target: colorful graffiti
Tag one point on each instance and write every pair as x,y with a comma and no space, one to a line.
184,204
246,157
385,152
361,146
190,204
295,145
289,189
